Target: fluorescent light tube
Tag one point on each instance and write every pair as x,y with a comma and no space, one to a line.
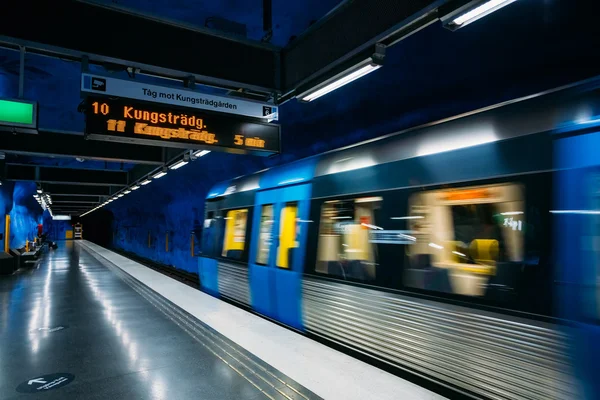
136,187
178,165
39,190
145,182
159,175
479,12
201,153
127,191
344,80
120,195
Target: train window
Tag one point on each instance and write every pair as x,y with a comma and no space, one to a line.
348,238
265,234
235,234
212,235
288,232
466,240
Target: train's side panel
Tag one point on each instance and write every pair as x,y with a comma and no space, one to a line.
507,157
577,199
486,354
475,351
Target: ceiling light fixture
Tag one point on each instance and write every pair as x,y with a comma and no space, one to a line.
127,191
471,12
145,182
340,81
201,153
135,187
160,174
343,78
178,164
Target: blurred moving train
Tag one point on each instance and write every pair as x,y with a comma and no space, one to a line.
452,250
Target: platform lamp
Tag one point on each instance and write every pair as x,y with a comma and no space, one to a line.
460,13
344,75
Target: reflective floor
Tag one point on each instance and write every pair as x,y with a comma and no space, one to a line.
74,316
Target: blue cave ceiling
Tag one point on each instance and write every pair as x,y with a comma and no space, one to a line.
529,46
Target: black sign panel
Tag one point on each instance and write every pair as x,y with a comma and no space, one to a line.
132,121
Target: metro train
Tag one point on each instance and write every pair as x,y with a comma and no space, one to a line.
447,250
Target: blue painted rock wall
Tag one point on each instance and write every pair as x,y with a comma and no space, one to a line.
56,230
16,200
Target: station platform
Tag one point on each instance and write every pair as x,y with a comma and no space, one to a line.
89,323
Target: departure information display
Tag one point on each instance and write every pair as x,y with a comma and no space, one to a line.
132,121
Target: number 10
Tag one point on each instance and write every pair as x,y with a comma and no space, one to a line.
103,108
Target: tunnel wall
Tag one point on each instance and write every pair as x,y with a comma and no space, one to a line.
56,230
16,200
173,204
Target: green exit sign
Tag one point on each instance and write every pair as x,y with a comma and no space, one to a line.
18,113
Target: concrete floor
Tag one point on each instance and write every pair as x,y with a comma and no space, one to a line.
76,318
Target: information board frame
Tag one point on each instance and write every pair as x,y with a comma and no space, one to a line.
153,124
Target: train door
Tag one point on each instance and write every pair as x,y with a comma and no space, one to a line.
211,237
277,253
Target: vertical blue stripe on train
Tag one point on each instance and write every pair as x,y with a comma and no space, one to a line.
277,292
577,186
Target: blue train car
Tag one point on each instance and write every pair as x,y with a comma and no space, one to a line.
577,220
430,250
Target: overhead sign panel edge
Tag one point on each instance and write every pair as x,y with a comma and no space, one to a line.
108,86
